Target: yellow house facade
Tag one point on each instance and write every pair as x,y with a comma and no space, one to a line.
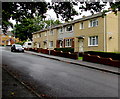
90,33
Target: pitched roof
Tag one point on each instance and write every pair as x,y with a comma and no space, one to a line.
71,22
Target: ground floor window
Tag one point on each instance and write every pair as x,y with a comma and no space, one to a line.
93,41
51,44
68,42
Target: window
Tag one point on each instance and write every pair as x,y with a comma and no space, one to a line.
45,34
93,41
81,25
68,42
51,44
93,23
61,30
40,35
69,28
51,32
34,36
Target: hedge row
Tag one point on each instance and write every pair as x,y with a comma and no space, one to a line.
114,56
65,49
56,53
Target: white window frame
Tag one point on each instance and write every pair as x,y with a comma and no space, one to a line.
51,44
93,23
68,42
68,27
61,30
38,35
51,32
81,25
34,36
45,33
93,41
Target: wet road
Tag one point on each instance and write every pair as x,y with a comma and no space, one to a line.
55,78
12,88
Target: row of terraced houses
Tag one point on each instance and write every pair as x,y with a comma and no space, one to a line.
90,33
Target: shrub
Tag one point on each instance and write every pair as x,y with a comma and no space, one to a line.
65,49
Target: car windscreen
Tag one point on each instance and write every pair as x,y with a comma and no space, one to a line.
18,45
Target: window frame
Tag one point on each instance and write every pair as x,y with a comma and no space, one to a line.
67,27
93,41
93,23
50,43
68,42
81,25
51,32
61,28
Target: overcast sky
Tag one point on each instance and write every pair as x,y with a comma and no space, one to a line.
51,14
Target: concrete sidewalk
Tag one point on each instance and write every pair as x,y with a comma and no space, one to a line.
96,66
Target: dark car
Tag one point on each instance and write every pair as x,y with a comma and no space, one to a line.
17,47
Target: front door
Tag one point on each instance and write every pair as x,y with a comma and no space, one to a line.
81,45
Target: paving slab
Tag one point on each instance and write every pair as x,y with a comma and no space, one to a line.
102,67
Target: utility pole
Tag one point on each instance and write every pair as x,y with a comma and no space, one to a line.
49,32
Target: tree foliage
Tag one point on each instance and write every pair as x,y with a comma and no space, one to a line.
27,26
21,11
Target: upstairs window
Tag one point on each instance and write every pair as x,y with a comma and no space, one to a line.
45,33
93,23
81,25
51,32
69,28
61,30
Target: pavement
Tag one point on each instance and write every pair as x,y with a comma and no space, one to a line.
96,66
13,88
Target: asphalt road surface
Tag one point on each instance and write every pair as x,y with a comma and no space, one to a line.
12,88
59,79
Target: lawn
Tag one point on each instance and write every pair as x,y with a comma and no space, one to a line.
80,58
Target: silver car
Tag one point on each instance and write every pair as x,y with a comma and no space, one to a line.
17,47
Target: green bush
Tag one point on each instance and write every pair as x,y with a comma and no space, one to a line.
65,49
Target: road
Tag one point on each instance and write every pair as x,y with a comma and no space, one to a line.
59,79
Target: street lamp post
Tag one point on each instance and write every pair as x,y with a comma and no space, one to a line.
49,31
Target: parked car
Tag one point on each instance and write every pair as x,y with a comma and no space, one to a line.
17,47
28,44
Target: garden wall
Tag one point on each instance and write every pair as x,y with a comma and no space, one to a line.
101,60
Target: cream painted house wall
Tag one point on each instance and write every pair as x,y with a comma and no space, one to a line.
44,37
118,31
107,31
112,33
90,31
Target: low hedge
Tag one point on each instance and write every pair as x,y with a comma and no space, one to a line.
114,56
65,49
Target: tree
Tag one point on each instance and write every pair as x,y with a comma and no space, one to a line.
66,10
21,10
27,26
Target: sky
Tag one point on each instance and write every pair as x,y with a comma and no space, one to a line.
51,14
